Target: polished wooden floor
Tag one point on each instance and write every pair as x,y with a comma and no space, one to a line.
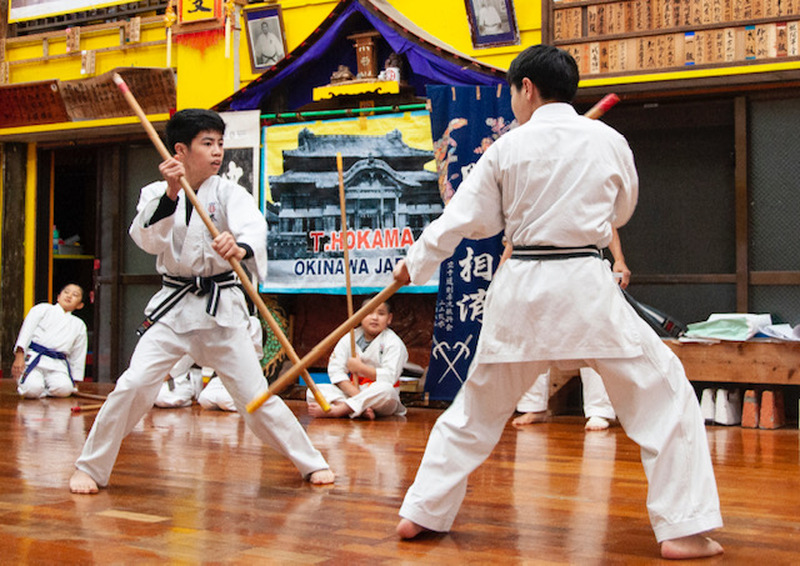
193,486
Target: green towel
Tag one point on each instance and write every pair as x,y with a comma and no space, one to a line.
721,329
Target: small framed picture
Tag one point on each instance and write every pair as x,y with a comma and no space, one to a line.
492,22
265,37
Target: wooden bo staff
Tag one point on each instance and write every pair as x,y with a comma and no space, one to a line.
89,396
248,286
343,207
602,107
83,408
330,340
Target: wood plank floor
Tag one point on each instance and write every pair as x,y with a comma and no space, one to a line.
193,486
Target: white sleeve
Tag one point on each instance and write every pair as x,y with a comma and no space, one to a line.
392,360
337,364
182,366
29,325
156,237
628,194
248,226
77,354
474,212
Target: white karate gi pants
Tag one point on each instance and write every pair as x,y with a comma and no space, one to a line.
221,348
382,398
656,406
595,399
215,396
41,382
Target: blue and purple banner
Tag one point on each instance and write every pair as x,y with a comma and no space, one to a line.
464,122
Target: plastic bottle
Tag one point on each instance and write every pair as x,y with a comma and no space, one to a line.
56,239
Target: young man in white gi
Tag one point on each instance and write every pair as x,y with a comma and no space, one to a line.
557,185
50,352
377,365
208,318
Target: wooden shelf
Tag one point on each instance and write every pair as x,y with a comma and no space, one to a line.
634,36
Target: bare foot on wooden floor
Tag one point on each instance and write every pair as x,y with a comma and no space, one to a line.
337,410
407,529
530,418
596,423
694,546
81,482
321,477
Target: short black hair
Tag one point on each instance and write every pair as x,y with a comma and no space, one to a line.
552,70
78,285
186,124
368,298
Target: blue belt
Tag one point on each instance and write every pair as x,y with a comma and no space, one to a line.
199,286
44,351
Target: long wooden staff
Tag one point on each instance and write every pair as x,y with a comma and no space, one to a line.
248,286
85,408
602,107
343,207
327,342
595,112
89,396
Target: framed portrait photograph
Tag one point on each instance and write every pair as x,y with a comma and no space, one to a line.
265,37
492,22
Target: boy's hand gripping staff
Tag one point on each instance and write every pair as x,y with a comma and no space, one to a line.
594,112
248,286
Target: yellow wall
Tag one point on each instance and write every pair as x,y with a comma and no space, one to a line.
205,77
27,64
30,227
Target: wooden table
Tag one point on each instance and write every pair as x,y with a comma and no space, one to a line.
759,362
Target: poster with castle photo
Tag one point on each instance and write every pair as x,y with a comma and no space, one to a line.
391,193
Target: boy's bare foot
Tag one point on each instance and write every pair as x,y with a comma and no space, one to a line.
370,414
81,482
321,477
338,409
694,546
407,529
596,423
530,418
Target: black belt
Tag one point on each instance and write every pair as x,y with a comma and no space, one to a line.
199,286
543,253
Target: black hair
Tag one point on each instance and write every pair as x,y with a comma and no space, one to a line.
68,283
186,124
552,70
368,298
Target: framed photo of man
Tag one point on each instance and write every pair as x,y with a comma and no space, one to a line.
265,37
492,22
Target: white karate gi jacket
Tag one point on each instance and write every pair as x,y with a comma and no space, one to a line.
52,327
386,353
186,251
530,185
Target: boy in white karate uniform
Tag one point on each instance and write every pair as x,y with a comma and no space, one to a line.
556,186
50,352
377,365
201,309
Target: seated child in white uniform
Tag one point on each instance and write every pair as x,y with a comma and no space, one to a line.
185,381
377,365
50,353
